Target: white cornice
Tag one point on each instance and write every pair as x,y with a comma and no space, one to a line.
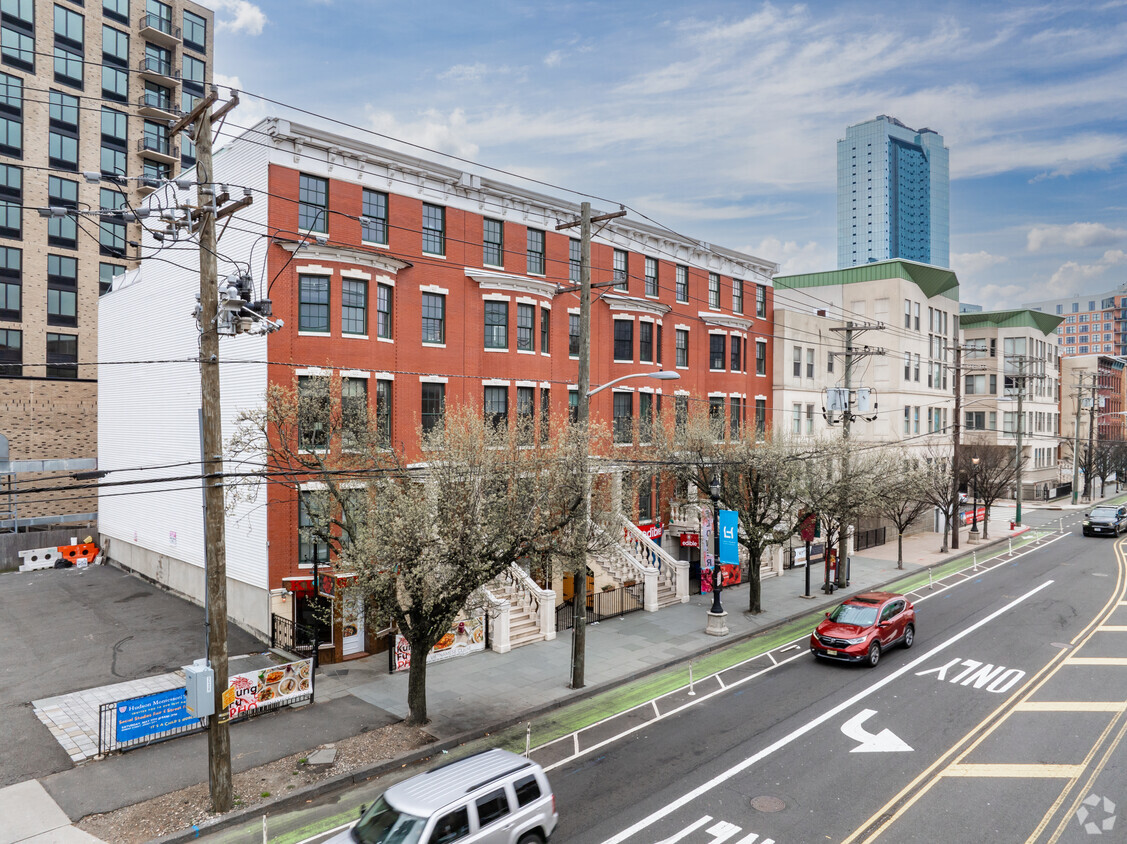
490,280
726,320
618,302
344,255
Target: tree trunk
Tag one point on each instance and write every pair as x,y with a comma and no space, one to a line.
754,586
417,685
899,549
986,522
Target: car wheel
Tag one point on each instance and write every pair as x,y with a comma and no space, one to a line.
531,838
874,654
909,635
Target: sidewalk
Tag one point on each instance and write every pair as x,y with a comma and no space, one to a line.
473,694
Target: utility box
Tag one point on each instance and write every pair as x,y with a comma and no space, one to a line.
199,681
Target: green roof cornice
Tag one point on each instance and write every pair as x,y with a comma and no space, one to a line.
1022,318
933,281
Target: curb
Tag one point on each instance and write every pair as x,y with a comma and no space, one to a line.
318,789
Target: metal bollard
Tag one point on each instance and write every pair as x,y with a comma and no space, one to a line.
692,692
528,740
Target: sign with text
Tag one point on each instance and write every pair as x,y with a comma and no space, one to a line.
729,537
276,684
653,531
152,714
690,540
464,637
706,548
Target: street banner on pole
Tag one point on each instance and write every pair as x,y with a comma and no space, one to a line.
729,546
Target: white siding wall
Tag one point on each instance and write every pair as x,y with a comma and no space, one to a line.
148,413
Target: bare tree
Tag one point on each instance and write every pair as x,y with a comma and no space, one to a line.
993,477
757,480
420,540
1103,461
900,498
937,488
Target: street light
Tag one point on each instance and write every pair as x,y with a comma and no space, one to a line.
717,572
660,375
974,483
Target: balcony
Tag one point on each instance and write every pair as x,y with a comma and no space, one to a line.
158,71
153,104
158,149
158,30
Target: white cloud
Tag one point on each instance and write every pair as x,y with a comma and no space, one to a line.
240,16
431,129
465,72
994,297
1075,273
793,257
553,58
966,264
1073,235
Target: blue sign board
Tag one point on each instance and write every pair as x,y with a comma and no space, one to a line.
147,716
729,544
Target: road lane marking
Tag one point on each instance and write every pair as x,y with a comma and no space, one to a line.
689,830
883,818
814,723
991,769
1071,706
1113,628
885,741
1096,660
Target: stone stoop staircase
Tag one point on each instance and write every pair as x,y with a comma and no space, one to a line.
672,574
524,605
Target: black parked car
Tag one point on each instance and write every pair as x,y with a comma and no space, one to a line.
1106,520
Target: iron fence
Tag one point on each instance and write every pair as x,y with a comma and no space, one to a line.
107,729
610,603
290,636
863,539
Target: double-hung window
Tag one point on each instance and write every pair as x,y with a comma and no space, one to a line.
496,325
737,354
313,303
681,341
621,269
716,349
545,330
760,301
713,290
623,417
434,229
496,401
760,358
373,218
313,204
354,306
645,342
433,406
535,249
434,318
573,335
526,327
651,277
737,296
574,260
312,508
682,283
493,243
624,340
385,294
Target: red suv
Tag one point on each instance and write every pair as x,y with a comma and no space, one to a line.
864,626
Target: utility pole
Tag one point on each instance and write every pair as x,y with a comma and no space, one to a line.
1088,489
956,429
579,579
849,329
1076,433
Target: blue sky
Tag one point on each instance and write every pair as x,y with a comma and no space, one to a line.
719,119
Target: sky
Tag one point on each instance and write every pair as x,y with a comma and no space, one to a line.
720,119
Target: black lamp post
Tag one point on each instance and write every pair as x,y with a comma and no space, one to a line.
974,484
717,572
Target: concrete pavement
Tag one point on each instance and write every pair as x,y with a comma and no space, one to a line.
471,695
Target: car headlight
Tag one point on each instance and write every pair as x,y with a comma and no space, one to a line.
856,641
1087,523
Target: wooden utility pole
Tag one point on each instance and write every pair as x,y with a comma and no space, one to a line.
215,539
583,414
955,432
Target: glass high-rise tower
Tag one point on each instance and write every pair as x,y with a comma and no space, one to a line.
893,194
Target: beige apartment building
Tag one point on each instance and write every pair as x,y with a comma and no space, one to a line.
88,91
1014,354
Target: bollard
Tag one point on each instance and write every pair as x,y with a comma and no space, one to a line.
692,693
264,829
1061,521
1011,541
930,581
974,558
528,741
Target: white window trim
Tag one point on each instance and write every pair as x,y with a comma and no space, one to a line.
355,373
496,382
356,274
314,371
433,379
495,297
314,334
314,269
433,288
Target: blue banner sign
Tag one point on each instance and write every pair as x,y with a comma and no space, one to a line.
729,544
152,714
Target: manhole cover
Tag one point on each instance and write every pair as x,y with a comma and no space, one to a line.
767,804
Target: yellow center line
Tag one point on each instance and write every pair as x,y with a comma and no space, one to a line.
917,788
1071,706
987,769
1113,628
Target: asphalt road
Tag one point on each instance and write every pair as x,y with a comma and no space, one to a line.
800,754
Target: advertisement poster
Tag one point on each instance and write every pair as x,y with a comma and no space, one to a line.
464,637
278,683
966,517
706,546
729,547
152,714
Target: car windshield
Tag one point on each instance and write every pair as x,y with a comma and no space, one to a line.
854,614
1104,513
384,825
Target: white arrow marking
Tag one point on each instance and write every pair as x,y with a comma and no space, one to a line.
885,741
